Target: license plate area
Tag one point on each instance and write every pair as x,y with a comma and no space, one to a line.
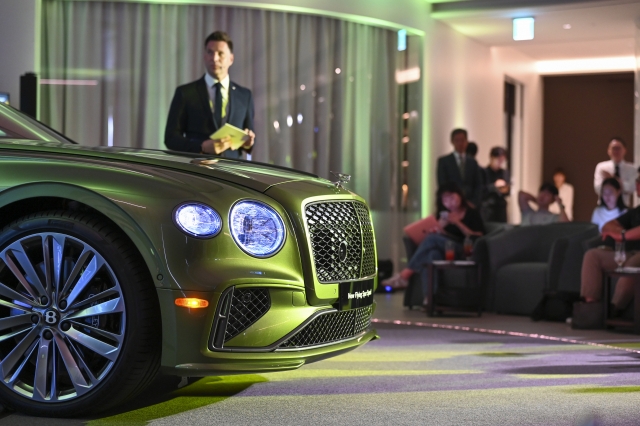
355,294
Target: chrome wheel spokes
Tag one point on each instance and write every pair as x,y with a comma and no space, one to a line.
62,317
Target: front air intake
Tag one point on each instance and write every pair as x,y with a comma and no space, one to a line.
330,328
238,310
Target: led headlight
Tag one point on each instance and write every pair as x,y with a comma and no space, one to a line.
256,228
198,220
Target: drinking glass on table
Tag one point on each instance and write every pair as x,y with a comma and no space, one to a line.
620,256
449,250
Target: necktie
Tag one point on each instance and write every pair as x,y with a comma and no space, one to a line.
217,105
462,167
617,173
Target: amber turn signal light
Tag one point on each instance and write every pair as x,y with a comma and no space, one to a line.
191,302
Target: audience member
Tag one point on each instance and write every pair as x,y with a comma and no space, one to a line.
472,150
618,168
547,194
565,192
611,203
496,187
459,169
596,260
456,221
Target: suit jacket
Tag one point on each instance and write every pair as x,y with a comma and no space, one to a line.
448,171
190,120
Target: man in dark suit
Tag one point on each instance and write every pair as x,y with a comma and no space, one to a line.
459,168
203,106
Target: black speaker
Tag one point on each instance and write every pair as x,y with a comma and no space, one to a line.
29,94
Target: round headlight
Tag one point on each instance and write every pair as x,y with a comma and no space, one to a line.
256,228
198,220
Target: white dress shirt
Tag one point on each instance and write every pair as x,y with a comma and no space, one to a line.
212,81
459,157
628,176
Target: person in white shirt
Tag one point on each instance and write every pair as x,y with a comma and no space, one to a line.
611,204
565,192
618,168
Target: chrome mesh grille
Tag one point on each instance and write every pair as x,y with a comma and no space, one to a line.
247,307
334,223
368,252
331,327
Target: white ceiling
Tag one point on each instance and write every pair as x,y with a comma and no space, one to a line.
598,28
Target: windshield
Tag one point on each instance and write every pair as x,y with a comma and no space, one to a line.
16,124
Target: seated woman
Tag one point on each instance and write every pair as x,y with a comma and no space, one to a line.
611,203
456,221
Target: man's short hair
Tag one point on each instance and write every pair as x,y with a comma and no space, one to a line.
619,139
497,151
549,187
458,131
220,36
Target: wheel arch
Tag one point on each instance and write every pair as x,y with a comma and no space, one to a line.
36,197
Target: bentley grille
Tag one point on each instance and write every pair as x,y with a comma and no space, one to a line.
342,242
330,327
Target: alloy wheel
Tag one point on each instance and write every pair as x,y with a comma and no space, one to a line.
62,317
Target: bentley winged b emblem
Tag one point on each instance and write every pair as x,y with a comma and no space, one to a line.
342,178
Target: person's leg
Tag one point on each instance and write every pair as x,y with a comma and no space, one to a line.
623,294
594,262
431,242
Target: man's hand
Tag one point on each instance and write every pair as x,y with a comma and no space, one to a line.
251,138
216,146
499,183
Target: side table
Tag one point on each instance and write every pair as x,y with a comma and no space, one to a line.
619,273
438,265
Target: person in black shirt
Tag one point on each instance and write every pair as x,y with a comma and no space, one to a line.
457,220
596,260
496,187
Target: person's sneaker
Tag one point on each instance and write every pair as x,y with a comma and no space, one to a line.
396,282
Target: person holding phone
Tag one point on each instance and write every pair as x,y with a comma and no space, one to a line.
457,220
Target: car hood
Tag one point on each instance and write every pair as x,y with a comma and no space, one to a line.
257,176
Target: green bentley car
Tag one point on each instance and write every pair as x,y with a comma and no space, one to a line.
118,263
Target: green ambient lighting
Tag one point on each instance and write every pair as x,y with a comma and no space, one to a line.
523,28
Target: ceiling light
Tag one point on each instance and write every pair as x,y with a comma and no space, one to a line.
523,29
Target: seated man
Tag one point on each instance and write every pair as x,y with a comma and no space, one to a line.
598,259
547,195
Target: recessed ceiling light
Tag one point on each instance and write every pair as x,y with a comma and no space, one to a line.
567,26
523,28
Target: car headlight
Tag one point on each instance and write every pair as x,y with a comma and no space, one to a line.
198,220
256,228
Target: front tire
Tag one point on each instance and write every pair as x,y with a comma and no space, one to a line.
79,316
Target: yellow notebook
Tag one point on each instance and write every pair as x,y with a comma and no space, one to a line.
238,136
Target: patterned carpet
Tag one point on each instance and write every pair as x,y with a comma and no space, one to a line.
411,376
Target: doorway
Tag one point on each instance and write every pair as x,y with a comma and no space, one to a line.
581,114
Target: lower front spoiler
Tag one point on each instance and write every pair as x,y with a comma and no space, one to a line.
251,363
